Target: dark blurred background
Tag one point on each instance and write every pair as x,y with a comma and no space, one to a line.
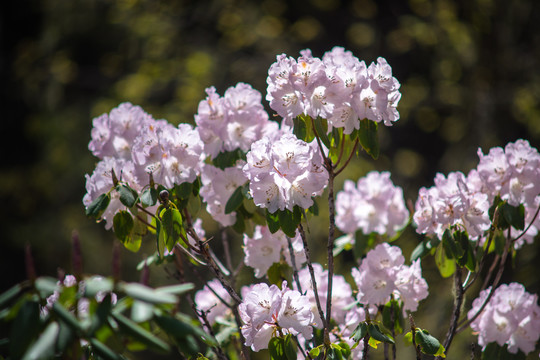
469,71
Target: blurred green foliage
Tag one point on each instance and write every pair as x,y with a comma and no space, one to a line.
468,68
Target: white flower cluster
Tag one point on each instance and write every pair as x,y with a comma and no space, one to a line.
373,205
268,311
512,173
284,172
233,121
511,317
339,88
131,143
383,273
264,249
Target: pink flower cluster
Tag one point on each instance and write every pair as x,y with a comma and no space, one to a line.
383,273
218,186
512,317
264,249
453,201
512,173
284,172
131,143
341,293
268,311
339,88
373,205
233,121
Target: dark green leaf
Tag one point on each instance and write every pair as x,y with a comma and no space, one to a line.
228,159
360,332
495,352
25,327
138,333
321,126
234,201
421,249
452,249
240,224
45,285
288,222
290,347
334,353
368,137
103,350
99,318
299,128
428,344
180,329
393,316
278,272
375,332
122,226
172,227
65,337
67,317
272,220
98,206
184,190
10,294
128,196
314,209
149,197
44,347
514,215
147,294
363,243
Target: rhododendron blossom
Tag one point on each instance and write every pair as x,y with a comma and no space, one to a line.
373,205
268,311
264,249
511,317
339,88
284,173
383,273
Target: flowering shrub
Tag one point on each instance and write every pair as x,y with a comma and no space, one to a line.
265,180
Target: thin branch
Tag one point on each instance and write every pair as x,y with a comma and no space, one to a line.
458,301
530,224
348,160
295,269
330,247
413,332
342,143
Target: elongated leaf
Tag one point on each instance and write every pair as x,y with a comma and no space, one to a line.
128,196
181,329
176,289
276,347
67,317
514,215
172,227
10,294
96,284
421,249
138,333
228,159
290,347
392,310
44,346
368,137
98,206
452,249
234,201
25,327
375,332
272,221
321,126
428,343
288,222
445,265
360,332
141,311
123,225
184,190
299,128
149,197
103,350
65,337
147,294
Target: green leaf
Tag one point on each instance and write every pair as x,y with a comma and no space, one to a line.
228,159
278,272
234,201
10,294
45,285
321,126
299,128
176,289
65,338
149,197
103,350
98,206
26,326
128,196
96,284
445,265
141,311
514,215
495,352
315,351
67,317
368,137
138,333
428,343
134,241
99,318
288,222
452,249
172,227
181,328
360,332
147,294
392,309
45,345
363,243
184,190
421,249
375,332
314,209
272,220
290,347
122,226
276,349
